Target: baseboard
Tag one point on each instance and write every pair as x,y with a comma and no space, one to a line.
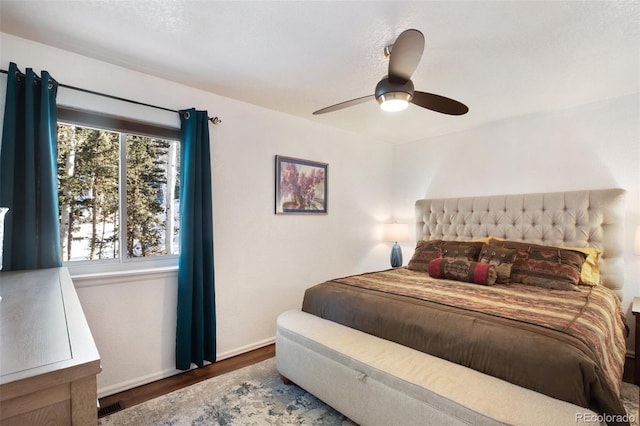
245,349
138,381
143,380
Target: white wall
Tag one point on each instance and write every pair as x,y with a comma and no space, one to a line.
263,261
593,146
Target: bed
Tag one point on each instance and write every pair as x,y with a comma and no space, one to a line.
468,353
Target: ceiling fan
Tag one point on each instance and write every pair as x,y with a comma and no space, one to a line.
395,91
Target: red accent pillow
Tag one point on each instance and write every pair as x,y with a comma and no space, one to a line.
463,270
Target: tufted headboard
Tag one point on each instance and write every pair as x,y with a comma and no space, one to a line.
570,219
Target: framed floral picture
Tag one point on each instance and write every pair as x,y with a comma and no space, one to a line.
301,186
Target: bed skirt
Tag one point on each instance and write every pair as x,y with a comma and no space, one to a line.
377,382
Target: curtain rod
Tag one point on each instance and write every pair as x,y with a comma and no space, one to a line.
213,120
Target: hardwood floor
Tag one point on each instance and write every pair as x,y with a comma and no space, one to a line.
112,403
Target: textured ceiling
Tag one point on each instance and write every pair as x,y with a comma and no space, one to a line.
502,59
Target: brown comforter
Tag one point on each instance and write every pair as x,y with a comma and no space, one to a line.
569,345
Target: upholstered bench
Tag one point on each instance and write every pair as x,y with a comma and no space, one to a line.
393,384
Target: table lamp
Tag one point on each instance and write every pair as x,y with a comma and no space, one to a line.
396,232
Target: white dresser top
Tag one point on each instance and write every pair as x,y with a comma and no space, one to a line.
42,326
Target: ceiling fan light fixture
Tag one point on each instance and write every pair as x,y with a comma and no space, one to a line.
392,95
395,91
394,101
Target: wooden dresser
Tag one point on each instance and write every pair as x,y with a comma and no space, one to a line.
48,359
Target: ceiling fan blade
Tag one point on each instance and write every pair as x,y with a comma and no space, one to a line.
345,104
439,103
405,55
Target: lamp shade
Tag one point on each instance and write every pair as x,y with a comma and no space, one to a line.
395,232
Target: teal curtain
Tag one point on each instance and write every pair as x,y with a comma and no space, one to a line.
28,172
196,324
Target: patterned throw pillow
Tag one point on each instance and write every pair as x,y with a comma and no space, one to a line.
544,266
425,252
590,273
500,257
462,249
463,270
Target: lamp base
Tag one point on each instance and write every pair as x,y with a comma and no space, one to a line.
396,256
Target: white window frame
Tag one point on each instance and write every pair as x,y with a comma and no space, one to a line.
123,126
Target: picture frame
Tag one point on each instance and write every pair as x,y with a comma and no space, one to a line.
301,186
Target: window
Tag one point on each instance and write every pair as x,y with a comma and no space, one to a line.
118,187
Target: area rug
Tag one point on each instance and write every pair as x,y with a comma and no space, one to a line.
254,396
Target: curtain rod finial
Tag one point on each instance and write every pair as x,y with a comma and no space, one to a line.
215,120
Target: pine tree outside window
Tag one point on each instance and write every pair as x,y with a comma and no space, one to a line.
118,185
